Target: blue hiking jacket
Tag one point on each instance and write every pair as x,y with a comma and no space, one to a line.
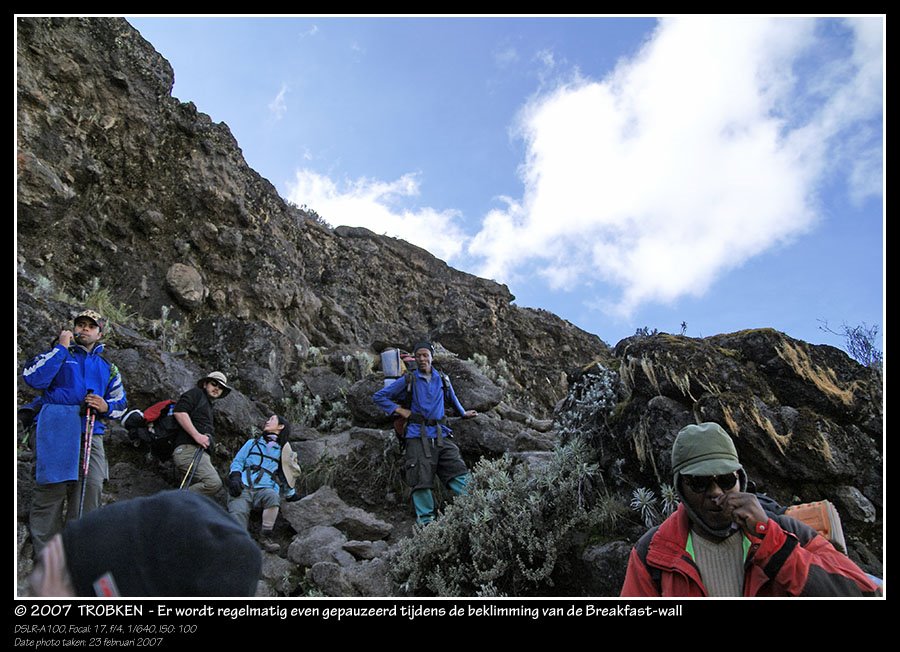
66,375
257,464
427,401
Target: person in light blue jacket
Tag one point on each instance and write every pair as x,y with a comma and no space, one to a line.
80,389
419,398
256,479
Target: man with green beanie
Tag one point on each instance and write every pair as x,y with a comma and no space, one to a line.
721,542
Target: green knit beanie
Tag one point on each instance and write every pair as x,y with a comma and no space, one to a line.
704,449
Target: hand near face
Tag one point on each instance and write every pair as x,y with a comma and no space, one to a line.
743,509
65,338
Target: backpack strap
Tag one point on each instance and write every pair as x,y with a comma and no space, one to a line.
642,547
259,468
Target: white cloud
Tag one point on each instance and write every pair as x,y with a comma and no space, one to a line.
701,152
376,205
278,106
505,56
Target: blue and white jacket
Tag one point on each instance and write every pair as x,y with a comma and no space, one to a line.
258,463
66,375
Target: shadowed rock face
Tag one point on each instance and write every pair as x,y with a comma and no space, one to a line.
210,269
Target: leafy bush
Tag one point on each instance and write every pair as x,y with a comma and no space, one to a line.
100,299
588,404
508,535
499,373
306,409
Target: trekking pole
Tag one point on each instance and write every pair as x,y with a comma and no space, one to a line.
192,468
89,418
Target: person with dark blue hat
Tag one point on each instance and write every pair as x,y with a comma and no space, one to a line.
429,451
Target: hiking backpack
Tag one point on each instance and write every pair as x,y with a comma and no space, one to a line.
156,427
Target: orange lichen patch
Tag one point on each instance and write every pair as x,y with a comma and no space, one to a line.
823,379
730,423
650,373
642,448
780,441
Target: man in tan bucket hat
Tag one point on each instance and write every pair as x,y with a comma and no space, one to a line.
193,445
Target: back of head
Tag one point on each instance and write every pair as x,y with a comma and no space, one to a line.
174,543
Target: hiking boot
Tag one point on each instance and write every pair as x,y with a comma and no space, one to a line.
266,543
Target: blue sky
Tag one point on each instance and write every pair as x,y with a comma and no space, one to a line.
619,172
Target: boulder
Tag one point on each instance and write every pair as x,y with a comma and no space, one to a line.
366,549
278,577
186,285
325,507
319,543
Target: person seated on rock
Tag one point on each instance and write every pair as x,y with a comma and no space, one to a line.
720,541
194,442
429,449
257,475
170,544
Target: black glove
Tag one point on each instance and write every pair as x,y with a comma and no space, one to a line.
293,497
235,486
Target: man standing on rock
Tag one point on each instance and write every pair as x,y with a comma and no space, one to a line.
194,414
429,449
80,389
720,541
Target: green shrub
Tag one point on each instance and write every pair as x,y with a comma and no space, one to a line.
509,535
100,299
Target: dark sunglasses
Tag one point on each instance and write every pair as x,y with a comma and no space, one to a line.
701,483
216,383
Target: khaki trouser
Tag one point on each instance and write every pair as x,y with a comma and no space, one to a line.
205,479
53,504
264,498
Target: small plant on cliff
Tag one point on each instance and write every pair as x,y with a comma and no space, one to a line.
508,536
498,373
359,365
166,329
859,341
669,498
100,299
643,500
306,409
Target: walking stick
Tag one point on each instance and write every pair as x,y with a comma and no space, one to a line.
189,474
89,418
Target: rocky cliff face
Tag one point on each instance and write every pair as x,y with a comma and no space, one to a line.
140,205
120,182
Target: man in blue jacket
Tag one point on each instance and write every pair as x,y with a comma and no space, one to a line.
428,450
77,383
